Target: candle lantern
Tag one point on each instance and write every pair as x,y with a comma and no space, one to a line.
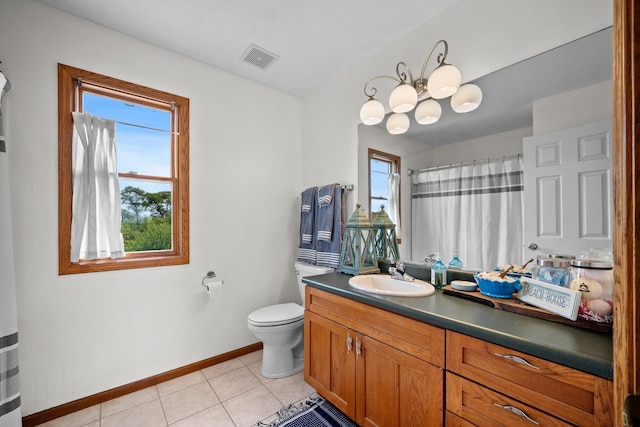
358,255
386,242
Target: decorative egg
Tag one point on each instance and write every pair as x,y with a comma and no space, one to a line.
591,289
600,307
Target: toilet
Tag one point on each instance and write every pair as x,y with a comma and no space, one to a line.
280,327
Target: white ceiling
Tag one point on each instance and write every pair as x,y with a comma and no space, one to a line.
314,40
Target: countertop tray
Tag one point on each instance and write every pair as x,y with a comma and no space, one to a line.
514,305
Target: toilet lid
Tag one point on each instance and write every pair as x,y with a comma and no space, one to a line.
277,314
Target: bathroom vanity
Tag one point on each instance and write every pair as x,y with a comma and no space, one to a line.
416,361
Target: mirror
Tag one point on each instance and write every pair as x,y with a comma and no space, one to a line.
530,97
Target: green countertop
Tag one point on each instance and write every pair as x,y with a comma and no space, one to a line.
582,349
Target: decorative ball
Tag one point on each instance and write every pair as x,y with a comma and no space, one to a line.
591,289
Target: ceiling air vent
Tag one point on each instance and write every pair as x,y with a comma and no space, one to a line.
259,57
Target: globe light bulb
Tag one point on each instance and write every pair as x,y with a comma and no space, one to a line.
372,112
444,81
466,99
403,98
398,123
428,112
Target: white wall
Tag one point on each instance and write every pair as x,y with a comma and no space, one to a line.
486,147
82,334
574,108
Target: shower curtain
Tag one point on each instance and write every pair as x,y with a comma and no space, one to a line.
476,209
10,412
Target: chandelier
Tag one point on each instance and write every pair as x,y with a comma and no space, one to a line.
422,92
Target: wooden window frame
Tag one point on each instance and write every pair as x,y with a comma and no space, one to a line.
68,78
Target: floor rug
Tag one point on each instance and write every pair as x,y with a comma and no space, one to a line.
315,412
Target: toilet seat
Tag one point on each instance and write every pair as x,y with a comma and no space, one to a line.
276,315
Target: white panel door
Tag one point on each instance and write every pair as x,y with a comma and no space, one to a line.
568,194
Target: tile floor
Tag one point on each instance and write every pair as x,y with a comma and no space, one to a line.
229,394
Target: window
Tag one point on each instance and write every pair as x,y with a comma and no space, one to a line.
381,166
152,129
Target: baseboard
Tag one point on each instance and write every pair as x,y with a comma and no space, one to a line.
86,402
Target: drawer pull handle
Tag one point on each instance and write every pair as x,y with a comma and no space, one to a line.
358,347
516,359
349,343
517,412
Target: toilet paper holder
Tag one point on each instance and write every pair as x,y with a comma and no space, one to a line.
210,275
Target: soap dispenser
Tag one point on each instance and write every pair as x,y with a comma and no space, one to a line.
455,261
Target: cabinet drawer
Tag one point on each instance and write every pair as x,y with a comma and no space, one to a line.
452,420
484,407
571,395
426,342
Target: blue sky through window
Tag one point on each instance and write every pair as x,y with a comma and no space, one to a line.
379,175
140,150
380,178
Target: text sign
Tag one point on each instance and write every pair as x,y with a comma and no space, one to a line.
556,299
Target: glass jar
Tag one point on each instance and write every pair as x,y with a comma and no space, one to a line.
594,279
552,270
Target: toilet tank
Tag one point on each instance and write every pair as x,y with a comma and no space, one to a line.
304,269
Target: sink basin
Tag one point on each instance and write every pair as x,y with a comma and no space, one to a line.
385,285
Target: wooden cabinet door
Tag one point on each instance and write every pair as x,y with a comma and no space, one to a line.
329,361
394,389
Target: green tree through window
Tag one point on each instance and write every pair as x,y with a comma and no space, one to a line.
133,197
146,219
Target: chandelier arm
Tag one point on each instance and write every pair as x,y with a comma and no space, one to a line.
373,89
441,57
403,75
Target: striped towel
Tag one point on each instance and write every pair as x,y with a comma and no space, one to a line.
324,200
307,247
330,235
325,211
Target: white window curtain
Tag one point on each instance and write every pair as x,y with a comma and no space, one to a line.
95,225
476,209
394,202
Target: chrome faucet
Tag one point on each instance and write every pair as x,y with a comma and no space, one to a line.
431,258
398,273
